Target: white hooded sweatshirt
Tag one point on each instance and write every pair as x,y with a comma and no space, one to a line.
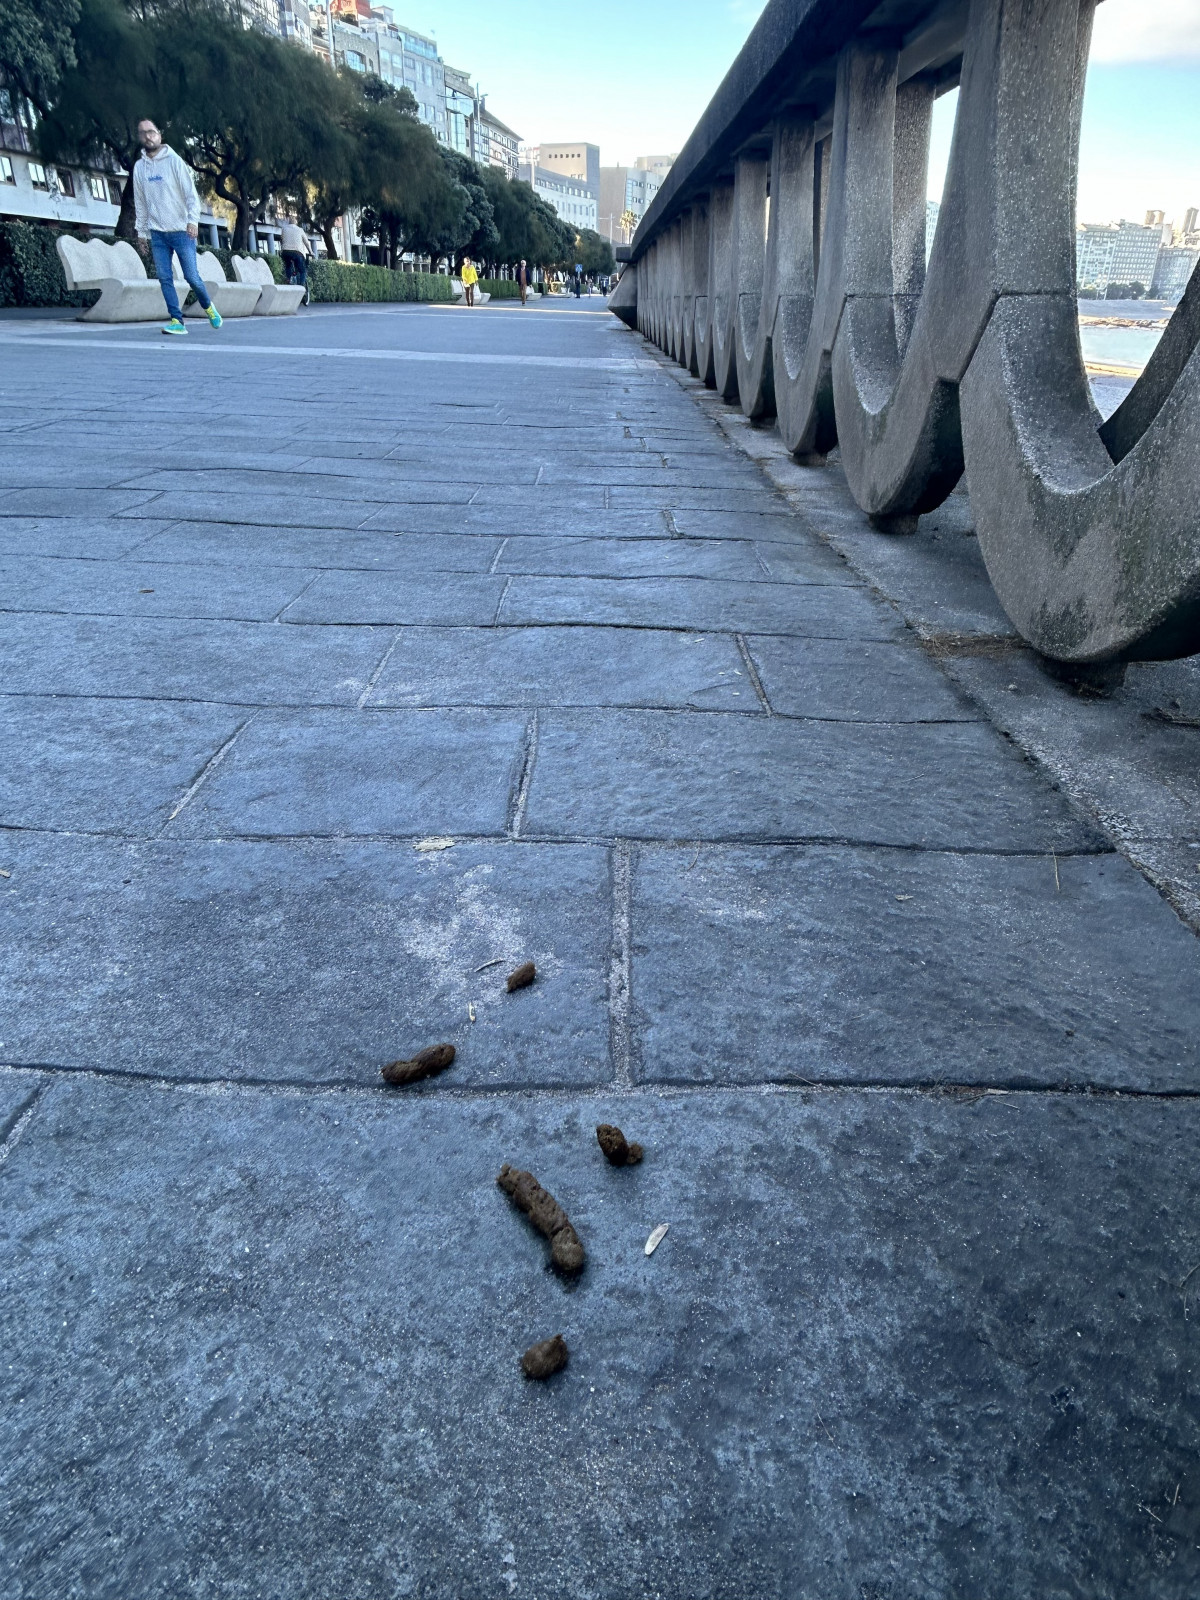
164,193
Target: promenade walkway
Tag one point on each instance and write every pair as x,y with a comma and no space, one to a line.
351,660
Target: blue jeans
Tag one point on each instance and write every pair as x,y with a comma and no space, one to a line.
162,247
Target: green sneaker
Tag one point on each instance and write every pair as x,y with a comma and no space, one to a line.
214,316
175,326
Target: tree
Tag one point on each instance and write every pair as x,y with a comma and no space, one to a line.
255,115
529,230
595,254
113,83
36,46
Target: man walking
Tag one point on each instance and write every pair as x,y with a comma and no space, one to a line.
523,282
296,250
167,214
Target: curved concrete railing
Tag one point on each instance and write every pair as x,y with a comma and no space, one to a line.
816,306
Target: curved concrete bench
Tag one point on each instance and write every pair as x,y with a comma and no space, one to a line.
276,299
126,293
456,289
230,299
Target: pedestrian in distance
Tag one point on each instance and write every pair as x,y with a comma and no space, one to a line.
469,279
167,219
578,279
296,251
523,282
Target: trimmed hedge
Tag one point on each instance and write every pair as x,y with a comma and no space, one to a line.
347,281
501,288
31,273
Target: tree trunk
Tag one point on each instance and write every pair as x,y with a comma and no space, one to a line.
327,235
125,221
241,226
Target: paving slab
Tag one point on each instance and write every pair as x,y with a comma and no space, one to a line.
740,522
86,537
240,663
397,487
565,667
685,775
910,967
254,509
892,1344
669,558
391,773
141,587
820,610
46,501
104,766
582,523
855,681
321,548
468,599
305,961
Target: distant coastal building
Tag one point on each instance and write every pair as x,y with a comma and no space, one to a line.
1176,264
567,176
1117,253
626,194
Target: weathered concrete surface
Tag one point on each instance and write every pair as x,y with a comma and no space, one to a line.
796,906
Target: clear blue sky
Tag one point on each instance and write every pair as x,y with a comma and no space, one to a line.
634,75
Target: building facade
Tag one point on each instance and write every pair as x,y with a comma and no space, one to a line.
576,160
568,196
625,195
496,144
1176,264
461,111
1135,256
1095,247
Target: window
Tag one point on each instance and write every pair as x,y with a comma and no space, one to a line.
66,182
115,190
98,188
6,171
37,176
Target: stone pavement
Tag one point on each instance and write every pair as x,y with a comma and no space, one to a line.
913,1050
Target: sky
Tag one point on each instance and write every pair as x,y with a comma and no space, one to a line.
635,76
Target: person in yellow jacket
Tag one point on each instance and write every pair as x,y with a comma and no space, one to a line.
469,279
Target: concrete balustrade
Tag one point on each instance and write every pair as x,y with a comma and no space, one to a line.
783,263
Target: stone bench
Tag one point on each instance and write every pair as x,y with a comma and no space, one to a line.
456,289
126,293
276,299
230,299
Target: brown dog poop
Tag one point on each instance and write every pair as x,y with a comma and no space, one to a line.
425,1064
522,977
616,1147
545,1359
548,1217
